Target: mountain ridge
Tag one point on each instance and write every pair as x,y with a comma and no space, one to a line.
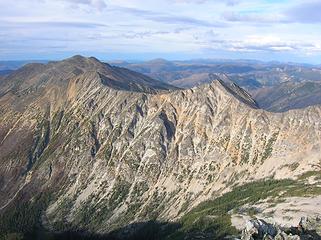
109,158
77,65
254,77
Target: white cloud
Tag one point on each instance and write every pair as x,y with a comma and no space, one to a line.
96,4
159,26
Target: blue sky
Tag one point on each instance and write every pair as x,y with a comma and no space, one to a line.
280,30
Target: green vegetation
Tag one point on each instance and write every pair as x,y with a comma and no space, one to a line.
61,213
292,166
91,216
40,142
57,119
309,174
245,152
24,218
108,151
209,220
212,218
154,206
269,146
13,236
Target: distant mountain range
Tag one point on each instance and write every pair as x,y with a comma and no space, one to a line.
254,76
13,65
5,72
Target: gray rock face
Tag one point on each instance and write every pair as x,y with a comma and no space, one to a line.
311,224
258,229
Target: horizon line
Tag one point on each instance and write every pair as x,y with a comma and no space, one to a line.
133,60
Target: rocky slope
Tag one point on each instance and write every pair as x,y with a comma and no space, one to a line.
86,146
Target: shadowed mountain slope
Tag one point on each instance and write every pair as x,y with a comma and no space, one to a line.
288,96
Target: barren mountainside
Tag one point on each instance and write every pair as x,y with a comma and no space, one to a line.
98,148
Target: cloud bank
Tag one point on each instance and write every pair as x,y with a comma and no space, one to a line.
263,29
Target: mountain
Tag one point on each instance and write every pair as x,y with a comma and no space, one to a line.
193,80
13,65
149,67
5,72
288,95
54,73
254,76
99,151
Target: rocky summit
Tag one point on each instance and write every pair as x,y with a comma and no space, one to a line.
94,150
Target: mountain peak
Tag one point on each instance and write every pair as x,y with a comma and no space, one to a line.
62,72
232,88
159,60
77,57
81,61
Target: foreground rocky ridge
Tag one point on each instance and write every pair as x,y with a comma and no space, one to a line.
108,157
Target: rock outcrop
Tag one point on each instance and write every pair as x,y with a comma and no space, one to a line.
258,229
